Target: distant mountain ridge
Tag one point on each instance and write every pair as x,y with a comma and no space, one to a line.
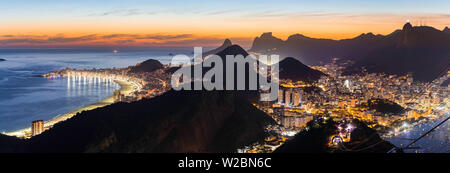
422,50
266,42
446,30
289,67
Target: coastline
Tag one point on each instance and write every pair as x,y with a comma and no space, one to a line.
126,88
416,131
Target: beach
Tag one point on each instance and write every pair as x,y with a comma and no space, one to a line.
126,88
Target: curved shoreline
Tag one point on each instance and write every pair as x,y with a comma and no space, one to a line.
125,87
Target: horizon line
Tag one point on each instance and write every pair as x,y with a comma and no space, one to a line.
62,40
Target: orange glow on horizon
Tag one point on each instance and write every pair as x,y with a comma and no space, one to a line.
188,33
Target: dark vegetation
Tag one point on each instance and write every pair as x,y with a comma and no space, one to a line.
316,139
384,106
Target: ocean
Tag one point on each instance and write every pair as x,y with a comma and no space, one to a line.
437,141
25,96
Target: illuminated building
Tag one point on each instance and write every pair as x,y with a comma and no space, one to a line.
296,97
409,79
354,102
118,96
295,121
342,104
37,127
347,84
280,95
287,96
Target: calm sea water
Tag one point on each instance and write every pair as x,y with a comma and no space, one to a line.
25,97
437,141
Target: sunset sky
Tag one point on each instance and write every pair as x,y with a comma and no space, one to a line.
139,23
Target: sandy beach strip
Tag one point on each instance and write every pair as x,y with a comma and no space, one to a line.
126,88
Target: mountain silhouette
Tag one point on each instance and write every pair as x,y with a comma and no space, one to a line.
226,43
421,50
266,42
175,122
294,70
147,66
233,50
290,68
446,30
